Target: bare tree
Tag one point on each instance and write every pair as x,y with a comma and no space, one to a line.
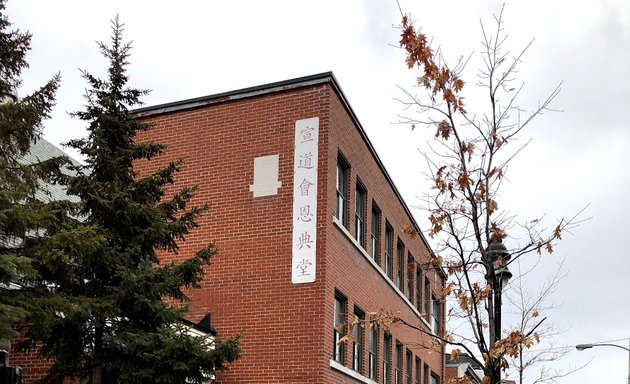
536,364
477,240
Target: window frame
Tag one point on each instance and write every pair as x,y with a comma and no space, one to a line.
389,249
435,315
419,287
398,363
387,358
360,207
373,354
400,261
408,366
427,298
375,233
410,276
418,373
357,343
342,189
339,326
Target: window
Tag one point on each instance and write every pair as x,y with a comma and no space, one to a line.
375,234
425,376
435,314
417,375
398,356
387,358
342,189
389,243
427,298
410,277
339,323
357,344
418,288
359,214
373,354
435,379
409,367
400,260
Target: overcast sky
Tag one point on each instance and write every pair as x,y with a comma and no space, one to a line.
579,156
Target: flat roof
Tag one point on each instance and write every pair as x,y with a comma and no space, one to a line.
276,87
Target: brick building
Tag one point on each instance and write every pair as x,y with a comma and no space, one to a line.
463,367
309,227
311,233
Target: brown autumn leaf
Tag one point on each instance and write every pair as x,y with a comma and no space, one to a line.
557,233
436,224
443,130
496,233
463,180
447,289
409,230
455,354
464,302
549,248
439,260
458,84
344,338
498,141
449,97
491,206
467,148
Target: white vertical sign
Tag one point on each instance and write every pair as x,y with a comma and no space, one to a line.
304,201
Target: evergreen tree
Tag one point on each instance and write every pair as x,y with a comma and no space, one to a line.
114,310
20,212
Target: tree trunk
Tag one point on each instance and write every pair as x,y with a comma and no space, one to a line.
97,361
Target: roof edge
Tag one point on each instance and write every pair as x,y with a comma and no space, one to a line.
244,93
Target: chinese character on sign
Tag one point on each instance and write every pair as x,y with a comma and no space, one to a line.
305,214
306,161
303,266
304,240
307,134
304,186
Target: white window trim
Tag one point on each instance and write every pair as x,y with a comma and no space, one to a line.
352,373
378,269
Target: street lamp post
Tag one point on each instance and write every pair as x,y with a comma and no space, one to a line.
581,347
497,276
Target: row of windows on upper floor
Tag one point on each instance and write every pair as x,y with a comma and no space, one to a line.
418,287
408,372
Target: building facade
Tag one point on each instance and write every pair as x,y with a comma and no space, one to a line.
314,239
463,367
312,234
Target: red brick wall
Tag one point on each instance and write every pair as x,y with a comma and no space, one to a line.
248,287
33,368
287,328
347,270
450,373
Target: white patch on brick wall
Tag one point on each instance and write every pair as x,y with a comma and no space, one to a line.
266,181
305,201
